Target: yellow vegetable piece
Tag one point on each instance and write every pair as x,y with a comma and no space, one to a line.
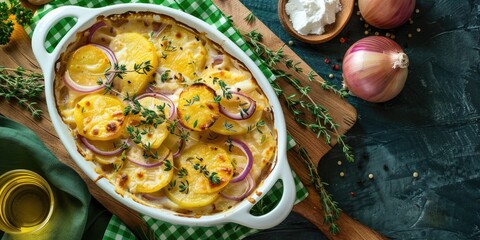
133,49
197,109
99,117
87,64
145,179
182,52
209,167
154,135
197,167
190,199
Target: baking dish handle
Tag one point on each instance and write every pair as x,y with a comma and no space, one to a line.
279,213
44,58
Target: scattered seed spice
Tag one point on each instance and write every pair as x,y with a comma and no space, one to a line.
388,34
358,13
417,10
410,35
410,21
392,36
415,174
326,60
361,19
342,174
418,29
353,194
290,43
370,176
330,75
377,33
366,32
366,25
339,163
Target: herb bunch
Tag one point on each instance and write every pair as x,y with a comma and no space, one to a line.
24,86
331,209
301,105
307,113
22,15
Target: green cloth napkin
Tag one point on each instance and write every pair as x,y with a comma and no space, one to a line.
20,148
208,12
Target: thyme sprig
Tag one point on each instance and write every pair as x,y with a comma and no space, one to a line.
323,123
250,18
330,207
120,70
307,113
23,85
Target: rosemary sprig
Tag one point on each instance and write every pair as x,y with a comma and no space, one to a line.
23,85
322,124
330,207
250,18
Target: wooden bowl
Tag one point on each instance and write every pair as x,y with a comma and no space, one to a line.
331,30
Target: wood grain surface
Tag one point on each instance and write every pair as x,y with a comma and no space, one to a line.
19,53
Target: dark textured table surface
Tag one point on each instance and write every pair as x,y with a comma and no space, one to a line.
431,128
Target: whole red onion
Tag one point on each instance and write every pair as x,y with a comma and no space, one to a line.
386,14
375,69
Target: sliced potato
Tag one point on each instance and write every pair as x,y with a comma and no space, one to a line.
87,64
146,179
194,188
133,49
152,135
197,109
189,199
188,60
202,161
99,117
228,126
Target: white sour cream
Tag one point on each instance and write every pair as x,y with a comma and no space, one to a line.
311,16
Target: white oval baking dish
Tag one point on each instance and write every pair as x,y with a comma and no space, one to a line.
240,213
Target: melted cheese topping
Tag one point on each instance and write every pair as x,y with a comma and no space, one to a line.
179,157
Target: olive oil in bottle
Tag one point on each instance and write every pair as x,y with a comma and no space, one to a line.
26,202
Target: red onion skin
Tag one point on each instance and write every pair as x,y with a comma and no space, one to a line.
243,146
386,14
370,72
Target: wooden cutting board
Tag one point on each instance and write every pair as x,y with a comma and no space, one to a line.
19,53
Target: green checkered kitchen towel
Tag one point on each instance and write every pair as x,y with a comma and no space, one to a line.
208,12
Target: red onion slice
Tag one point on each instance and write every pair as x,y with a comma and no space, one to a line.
88,89
151,197
180,148
148,165
242,114
248,189
93,29
217,59
248,154
158,30
80,88
94,149
169,101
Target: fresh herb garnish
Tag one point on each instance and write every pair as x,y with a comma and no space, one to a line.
212,177
23,85
323,124
250,18
225,89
